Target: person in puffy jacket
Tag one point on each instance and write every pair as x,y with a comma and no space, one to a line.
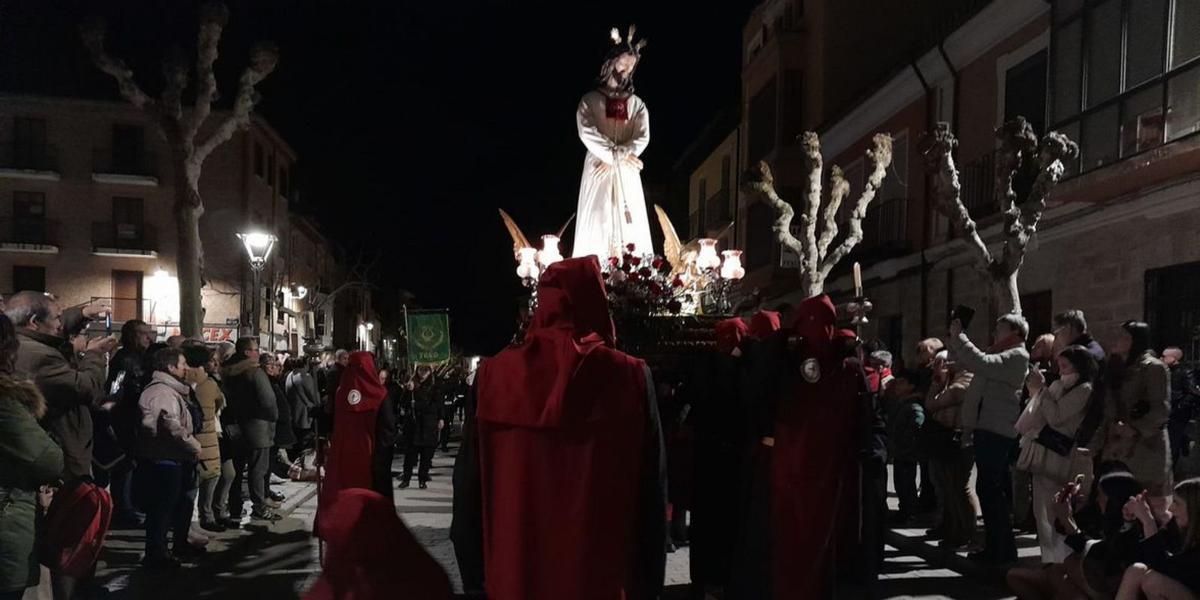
168,451
249,428
28,459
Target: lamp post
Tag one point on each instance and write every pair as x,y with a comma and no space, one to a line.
258,248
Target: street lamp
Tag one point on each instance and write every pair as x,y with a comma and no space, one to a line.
258,249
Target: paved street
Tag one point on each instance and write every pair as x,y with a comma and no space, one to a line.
281,561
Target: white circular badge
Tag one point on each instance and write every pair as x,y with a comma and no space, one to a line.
811,369
354,397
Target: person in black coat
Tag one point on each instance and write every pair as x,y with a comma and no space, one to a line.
385,439
426,423
285,436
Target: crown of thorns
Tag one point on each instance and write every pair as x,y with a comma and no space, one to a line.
630,46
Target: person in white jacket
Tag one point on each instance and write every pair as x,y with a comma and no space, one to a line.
167,451
1048,426
614,126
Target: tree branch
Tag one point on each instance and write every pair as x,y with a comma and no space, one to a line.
175,78
839,188
1021,221
814,165
263,58
762,182
92,32
1017,141
214,16
881,158
937,147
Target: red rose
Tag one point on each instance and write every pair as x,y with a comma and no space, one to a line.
655,288
645,272
635,276
678,282
658,264
674,306
631,247
635,260
614,261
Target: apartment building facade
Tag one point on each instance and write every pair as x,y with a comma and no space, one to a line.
86,199
1119,239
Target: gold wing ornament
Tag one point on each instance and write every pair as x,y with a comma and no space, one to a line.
518,238
680,256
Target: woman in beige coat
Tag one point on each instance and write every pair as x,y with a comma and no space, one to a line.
201,361
1048,425
1136,410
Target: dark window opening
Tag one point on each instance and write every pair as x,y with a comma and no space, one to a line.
29,279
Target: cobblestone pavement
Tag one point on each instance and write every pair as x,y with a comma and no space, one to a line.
281,561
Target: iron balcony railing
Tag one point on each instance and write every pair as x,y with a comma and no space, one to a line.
886,225
114,162
28,230
124,236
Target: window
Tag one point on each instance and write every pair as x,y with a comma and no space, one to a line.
128,145
271,170
260,168
29,279
284,181
793,106
29,144
1126,75
760,243
1025,91
1173,307
29,217
761,136
128,224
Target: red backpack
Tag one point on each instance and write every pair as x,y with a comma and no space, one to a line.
75,526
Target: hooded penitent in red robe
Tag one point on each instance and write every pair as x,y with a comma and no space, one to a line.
763,323
356,406
730,333
814,469
567,441
371,555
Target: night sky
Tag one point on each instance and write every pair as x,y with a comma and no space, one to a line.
415,121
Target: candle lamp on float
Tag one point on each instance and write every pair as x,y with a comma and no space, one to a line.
859,306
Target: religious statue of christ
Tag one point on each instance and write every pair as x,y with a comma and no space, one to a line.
614,126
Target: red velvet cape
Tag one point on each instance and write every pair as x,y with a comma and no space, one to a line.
371,555
562,427
814,471
356,407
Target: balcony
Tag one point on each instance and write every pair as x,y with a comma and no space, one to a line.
978,181
28,161
128,168
886,226
31,235
124,239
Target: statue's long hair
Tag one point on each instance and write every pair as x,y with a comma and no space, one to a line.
620,48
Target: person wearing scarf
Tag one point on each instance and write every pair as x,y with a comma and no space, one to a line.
559,487
989,417
351,451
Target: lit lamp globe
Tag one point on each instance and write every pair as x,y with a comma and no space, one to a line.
707,258
528,268
732,267
550,253
258,247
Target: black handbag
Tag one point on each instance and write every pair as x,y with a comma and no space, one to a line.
1055,441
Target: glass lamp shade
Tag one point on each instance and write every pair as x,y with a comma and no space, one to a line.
258,247
550,253
301,292
732,267
528,268
708,259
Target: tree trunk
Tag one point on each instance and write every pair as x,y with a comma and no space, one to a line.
1006,293
188,252
812,284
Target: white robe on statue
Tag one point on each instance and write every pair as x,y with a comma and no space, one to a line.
611,185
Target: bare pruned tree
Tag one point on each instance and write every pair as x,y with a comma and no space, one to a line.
1018,146
358,276
181,129
815,247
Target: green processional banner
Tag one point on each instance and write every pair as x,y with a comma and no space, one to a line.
428,337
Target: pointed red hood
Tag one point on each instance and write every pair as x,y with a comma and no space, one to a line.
359,389
730,333
816,322
567,346
764,323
